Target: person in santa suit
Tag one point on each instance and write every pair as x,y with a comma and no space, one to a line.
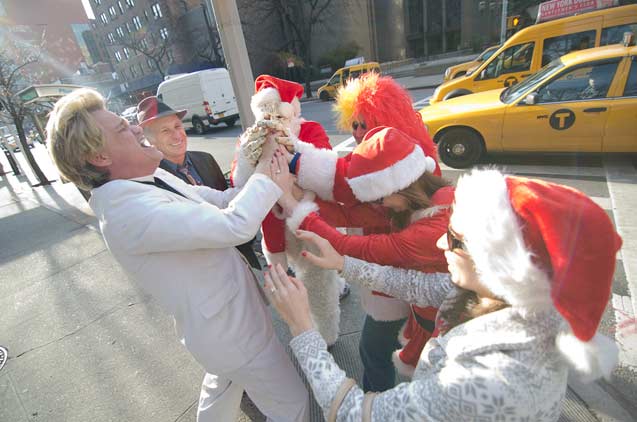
391,168
364,103
279,99
276,104
531,267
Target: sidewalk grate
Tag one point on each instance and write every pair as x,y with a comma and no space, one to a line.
575,410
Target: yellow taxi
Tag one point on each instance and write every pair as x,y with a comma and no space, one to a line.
533,47
585,101
462,69
342,75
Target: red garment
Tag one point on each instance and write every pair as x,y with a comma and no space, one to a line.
413,247
273,227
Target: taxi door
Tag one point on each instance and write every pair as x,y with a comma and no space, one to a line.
568,116
506,69
621,127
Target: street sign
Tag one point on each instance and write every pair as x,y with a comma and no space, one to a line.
556,9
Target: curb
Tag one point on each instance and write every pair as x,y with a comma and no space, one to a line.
599,402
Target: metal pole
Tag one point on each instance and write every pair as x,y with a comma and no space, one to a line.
503,21
236,54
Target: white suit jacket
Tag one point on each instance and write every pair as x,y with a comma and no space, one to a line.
181,251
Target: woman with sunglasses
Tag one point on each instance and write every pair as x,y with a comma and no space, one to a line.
522,303
391,169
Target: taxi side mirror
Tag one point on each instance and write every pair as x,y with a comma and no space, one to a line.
483,74
530,99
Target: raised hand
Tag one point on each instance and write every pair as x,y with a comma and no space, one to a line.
289,297
329,259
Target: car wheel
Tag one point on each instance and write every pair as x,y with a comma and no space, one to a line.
324,96
457,93
231,122
198,126
460,147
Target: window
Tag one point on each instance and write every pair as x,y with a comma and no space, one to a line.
141,69
151,65
126,53
137,23
104,19
144,43
516,58
118,56
123,73
133,72
615,34
156,11
112,12
129,28
120,7
169,55
163,33
120,32
630,90
97,2
584,82
558,46
111,38
130,3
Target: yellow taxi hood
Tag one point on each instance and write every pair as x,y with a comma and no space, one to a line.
481,102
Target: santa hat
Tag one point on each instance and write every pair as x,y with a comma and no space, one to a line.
386,162
276,96
539,245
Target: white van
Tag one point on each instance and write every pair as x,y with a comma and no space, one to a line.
207,95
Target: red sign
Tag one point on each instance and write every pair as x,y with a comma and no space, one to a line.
556,9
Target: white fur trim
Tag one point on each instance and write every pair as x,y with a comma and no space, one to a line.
317,169
273,258
590,360
373,186
402,367
242,171
484,216
401,336
300,212
266,101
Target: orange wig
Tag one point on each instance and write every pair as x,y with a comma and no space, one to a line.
380,101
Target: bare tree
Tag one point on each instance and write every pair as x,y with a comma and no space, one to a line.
15,63
152,43
299,22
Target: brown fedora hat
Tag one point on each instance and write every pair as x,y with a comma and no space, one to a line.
152,108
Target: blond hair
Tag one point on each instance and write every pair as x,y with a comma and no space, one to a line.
73,136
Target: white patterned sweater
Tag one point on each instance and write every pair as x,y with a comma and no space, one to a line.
496,367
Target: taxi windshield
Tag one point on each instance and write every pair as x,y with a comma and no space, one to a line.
514,92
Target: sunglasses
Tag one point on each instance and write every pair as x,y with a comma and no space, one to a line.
355,125
453,242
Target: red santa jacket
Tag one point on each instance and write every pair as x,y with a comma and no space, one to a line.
413,247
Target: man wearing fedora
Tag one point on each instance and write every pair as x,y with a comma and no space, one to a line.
176,242
164,129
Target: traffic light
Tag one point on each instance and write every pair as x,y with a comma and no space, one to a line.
513,22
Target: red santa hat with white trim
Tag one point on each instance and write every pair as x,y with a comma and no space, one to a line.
539,245
276,96
386,162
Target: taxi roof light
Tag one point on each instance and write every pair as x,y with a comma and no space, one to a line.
629,39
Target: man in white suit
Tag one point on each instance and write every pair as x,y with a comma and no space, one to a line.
177,241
